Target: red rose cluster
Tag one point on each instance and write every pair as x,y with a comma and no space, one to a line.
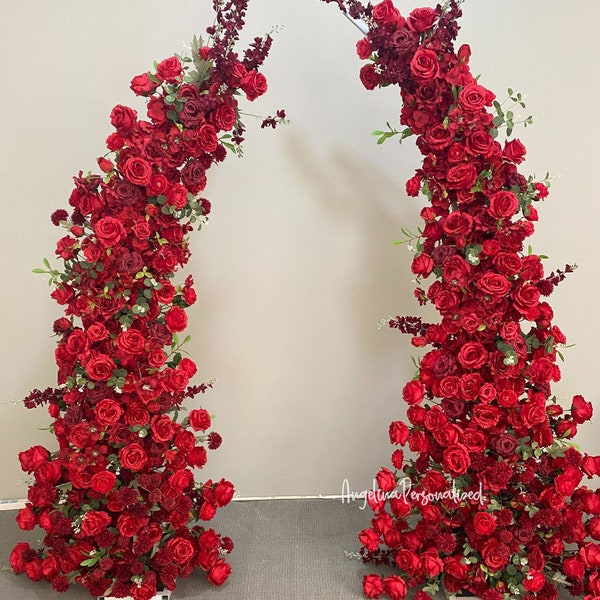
118,501
491,499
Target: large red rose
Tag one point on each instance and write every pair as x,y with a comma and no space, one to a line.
472,355
103,482
133,457
421,19
395,587
581,410
503,205
369,77
95,522
372,586
398,432
254,84
108,412
123,118
137,170
169,69
495,555
386,14
31,460
475,97
199,419
484,523
456,460
425,64
219,573
176,319
413,392
182,549
100,367
109,231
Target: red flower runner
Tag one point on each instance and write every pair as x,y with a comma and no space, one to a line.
491,499
118,502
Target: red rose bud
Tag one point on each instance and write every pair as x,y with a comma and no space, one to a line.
105,165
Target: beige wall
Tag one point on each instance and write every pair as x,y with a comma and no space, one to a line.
296,266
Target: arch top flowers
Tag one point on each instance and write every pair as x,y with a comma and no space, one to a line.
118,501
481,415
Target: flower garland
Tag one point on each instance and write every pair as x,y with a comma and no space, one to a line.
118,501
491,500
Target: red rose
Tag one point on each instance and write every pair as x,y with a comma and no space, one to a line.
177,196
123,118
485,415
131,341
137,170
395,587
128,525
494,284
176,319
223,492
573,568
20,554
100,367
568,480
472,355
181,479
133,457
224,117
183,550
142,85
169,70
386,480
534,413
534,581
363,48
254,84
95,522
369,77
31,460
425,64
26,519
369,539
457,223
462,176
505,444
503,205
207,137
197,457
514,151
398,432
162,428
431,563
474,97
109,231
581,410
199,419
108,412
456,460
387,15
372,586
438,137
422,265
484,523
413,392
495,555
591,465
421,19
526,300
219,573
590,555
103,482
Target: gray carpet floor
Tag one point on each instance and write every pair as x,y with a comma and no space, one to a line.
285,550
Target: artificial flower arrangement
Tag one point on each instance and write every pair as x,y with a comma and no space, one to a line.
118,502
489,498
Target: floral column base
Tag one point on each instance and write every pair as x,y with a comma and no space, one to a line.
164,595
